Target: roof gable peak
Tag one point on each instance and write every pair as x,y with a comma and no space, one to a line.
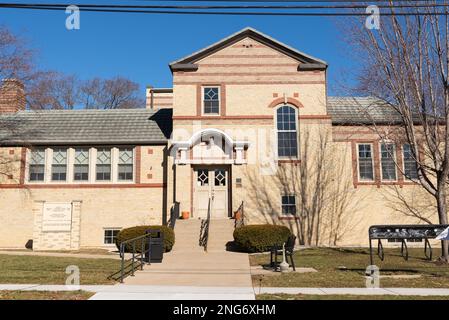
307,62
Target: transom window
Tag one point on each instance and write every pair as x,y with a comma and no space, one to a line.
125,164
59,165
81,165
410,165
288,204
211,100
103,164
287,136
110,235
387,158
37,165
365,158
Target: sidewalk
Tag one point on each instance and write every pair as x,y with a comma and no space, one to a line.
357,291
61,254
145,292
148,292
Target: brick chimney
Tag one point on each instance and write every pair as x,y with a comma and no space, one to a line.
12,96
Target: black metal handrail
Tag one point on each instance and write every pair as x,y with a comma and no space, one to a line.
204,231
240,221
137,258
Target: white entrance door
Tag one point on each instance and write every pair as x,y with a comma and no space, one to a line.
211,183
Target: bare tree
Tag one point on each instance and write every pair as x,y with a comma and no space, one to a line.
52,90
115,93
325,206
16,60
406,64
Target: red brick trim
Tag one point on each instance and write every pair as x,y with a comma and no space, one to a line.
226,65
138,163
288,218
281,100
82,186
223,100
252,83
198,100
248,117
23,156
294,161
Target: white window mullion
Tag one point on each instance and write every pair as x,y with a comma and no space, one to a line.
70,163
114,165
92,164
48,164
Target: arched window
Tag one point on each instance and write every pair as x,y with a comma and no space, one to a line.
287,131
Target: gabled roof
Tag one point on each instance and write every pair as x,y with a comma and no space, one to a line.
57,127
307,62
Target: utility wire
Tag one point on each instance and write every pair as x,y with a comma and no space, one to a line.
235,13
205,7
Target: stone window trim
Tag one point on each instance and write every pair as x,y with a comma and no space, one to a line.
200,98
401,180
92,166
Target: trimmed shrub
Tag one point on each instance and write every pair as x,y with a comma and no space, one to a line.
260,238
133,232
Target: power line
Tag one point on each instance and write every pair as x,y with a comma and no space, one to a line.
235,13
205,7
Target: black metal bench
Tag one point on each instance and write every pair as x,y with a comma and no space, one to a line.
277,250
402,233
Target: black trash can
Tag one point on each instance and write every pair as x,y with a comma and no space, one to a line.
156,246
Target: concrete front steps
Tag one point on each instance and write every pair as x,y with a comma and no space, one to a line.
187,235
189,265
220,233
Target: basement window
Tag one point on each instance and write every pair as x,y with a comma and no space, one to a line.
110,235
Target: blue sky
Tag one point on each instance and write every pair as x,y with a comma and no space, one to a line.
140,46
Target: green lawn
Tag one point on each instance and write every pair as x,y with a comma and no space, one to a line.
327,261
45,295
345,297
51,270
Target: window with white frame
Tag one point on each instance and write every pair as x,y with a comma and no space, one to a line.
211,100
287,136
59,165
410,165
125,164
365,160
37,165
387,160
81,164
288,204
110,235
104,164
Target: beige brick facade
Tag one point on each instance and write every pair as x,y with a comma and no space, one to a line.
254,80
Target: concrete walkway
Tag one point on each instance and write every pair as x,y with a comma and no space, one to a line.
140,292
357,291
61,254
197,268
144,292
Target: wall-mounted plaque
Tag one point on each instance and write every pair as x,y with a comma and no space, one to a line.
57,217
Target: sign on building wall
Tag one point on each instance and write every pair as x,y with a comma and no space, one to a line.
57,217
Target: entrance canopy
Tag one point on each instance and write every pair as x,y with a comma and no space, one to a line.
209,146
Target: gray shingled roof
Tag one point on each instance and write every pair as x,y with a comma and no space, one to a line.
361,110
86,127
